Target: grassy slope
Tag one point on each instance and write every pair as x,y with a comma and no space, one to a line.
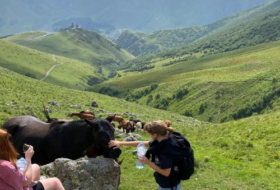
240,154
69,72
170,38
223,84
86,46
17,38
20,90
158,41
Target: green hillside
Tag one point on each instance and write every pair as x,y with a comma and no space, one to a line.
159,40
80,44
239,155
214,88
217,34
67,72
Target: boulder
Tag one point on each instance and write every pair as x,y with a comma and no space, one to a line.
85,173
94,104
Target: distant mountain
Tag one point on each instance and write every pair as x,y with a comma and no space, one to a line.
144,44
109,17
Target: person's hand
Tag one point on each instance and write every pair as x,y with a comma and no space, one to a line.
143,160
114,144
29,153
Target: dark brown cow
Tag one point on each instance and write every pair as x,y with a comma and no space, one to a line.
91,151
61,139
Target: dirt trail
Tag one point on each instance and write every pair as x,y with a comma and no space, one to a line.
43,36
48,72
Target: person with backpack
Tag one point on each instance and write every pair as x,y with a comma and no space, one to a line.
171,155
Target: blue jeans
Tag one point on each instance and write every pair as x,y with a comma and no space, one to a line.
178,187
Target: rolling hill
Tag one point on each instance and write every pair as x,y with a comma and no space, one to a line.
140,44
215,88
86,46
68,72
222,92
257,30
199,77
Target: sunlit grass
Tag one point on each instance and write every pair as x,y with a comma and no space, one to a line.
242,154
223,83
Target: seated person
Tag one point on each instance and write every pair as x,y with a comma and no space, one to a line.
11,178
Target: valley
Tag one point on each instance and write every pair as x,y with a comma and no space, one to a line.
217,81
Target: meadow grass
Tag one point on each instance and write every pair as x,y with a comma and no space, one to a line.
221,84
69,73
86,46
241,154
18,38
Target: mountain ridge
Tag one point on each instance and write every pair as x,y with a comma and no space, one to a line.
165,39
145,16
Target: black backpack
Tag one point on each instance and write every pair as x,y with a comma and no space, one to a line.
179,149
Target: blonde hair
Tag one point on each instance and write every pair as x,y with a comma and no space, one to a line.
158,127
7,152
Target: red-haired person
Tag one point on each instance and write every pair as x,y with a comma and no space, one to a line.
12,179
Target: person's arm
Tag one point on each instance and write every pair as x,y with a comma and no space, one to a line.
28,173
165,172
118,144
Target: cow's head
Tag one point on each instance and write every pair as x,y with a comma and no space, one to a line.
103,133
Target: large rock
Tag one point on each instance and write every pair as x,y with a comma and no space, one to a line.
85,173
94,104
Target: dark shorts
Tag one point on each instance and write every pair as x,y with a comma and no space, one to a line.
38,186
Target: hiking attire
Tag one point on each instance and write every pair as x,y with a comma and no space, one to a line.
12,179
165,182
163,155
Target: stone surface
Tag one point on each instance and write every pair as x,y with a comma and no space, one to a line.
85,173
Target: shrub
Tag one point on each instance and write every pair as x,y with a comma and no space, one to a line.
181,93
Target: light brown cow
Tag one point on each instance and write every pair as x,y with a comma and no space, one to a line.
84,115
127,126
168,123
116,118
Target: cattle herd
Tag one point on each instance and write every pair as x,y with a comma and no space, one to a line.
69,138
129,125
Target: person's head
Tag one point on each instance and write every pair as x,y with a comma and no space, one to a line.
7,152
158,127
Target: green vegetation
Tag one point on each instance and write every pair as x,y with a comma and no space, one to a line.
144,44
226,76
241,154
245,29
69,73
80,44
18,38
215,88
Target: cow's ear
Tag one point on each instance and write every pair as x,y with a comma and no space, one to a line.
110,118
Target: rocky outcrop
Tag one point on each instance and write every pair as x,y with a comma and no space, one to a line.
94,104
85,173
